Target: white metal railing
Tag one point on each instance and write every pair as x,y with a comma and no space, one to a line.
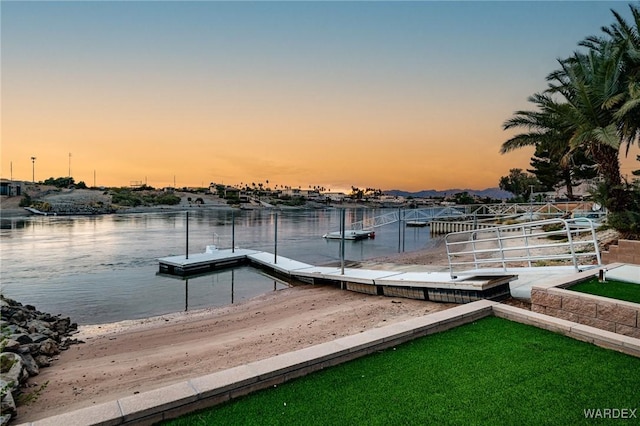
509,248
527,211
426,214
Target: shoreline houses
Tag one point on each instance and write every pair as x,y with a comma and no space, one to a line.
260,193
10,188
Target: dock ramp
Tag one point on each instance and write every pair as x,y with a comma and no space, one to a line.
554,244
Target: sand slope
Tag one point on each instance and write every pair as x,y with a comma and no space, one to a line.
121,359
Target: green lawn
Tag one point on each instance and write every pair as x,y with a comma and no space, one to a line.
611,288
493,371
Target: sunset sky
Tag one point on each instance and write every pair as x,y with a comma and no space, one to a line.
390,95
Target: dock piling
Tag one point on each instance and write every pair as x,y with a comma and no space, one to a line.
342,232
275,244
187,236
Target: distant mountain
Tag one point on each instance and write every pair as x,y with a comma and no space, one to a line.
495,193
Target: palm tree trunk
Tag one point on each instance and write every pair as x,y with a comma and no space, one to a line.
609,167
566,176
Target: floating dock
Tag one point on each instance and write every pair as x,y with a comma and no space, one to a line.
433,286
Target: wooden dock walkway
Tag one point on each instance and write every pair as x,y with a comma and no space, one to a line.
434,286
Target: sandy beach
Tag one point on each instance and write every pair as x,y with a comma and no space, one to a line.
125,358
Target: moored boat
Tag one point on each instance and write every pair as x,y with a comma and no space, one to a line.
350,235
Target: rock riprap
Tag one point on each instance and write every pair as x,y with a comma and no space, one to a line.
30,341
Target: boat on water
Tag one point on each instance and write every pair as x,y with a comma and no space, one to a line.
350,235
416,223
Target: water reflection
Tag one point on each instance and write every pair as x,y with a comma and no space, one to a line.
103,268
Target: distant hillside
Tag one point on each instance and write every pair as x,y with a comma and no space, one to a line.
496,193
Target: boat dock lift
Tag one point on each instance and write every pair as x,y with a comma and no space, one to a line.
434,286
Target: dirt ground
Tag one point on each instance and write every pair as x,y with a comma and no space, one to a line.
122,359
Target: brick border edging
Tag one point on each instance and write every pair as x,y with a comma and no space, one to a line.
624,251
206,391
608,314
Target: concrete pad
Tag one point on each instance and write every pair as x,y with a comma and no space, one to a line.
106,414
626,273
157,400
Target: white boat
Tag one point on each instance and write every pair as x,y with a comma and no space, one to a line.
350,235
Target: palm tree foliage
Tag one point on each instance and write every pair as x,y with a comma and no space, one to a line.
591,105
550,131
624,42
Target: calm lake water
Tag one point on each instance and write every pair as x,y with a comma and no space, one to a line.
100,269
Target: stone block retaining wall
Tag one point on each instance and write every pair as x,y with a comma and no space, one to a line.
607,314
627,251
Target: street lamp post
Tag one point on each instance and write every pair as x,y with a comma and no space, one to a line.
33,169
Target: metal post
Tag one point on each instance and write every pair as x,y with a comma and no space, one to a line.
186,294
404,230
601,276
233,231
342,232
275,248
531,202
187,236
399,230
33,169
232,279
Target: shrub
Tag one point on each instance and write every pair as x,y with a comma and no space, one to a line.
25,201
626,222
61,182
168,199
125,198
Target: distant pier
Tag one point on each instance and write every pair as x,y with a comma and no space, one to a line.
441,227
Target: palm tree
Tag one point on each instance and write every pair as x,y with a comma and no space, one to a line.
549,130
591,84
